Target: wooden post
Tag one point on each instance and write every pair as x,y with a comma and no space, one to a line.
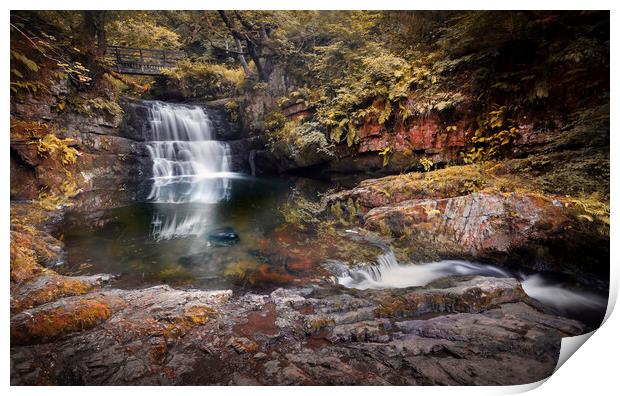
141,61
118,59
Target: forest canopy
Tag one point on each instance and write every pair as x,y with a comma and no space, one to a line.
353,67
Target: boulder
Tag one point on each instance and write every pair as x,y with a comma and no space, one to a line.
475,224
224,236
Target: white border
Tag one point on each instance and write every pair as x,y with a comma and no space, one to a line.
593,369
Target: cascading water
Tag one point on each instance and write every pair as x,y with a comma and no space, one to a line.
561,298
188,164
387,272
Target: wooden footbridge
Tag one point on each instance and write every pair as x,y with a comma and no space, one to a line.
142,61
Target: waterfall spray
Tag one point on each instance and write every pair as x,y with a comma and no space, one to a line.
188,164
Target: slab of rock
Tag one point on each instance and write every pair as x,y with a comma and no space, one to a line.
467,330
474,223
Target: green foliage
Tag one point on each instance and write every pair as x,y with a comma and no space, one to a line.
593,208
91,107
23,75
384,88
77,71
111,107
141,31
32,87
52,146
376,94
386,153
201,79
426,163
58,150
494,133
303,141
232,109
53,200
28,63
275,121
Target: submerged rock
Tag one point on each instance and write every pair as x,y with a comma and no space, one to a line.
224,236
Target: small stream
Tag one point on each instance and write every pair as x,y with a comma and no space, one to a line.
387,272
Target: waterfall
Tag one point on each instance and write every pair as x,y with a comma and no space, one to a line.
388,273
188,164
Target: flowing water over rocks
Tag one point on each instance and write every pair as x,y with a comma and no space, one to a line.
188,164
388,273
258,289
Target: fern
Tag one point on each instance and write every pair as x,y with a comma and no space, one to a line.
30,64
386,153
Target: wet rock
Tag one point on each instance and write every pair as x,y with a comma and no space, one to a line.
336,267
476,223
493,335
243,153
50,286
50,322
243,345
473,295
225,236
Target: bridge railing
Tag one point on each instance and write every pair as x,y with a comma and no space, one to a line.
129,60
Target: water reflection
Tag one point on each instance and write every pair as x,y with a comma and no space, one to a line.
201,189
168,224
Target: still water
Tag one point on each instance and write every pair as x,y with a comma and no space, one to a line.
189,243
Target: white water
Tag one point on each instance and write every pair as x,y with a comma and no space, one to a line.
388,273
188,164
561,298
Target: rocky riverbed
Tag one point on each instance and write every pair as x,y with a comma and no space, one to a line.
459,329
82,330
465,331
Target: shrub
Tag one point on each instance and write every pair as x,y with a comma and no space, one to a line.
200,79
494,133
302,142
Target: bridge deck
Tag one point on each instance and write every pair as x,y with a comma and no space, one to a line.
143,61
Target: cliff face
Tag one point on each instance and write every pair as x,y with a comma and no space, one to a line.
113,153
110,156
432,138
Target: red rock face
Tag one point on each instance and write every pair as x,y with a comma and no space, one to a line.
427,136
476,223
297,111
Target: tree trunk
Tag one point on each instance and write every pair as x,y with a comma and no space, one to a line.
256,58
251,46
93,33
241,58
